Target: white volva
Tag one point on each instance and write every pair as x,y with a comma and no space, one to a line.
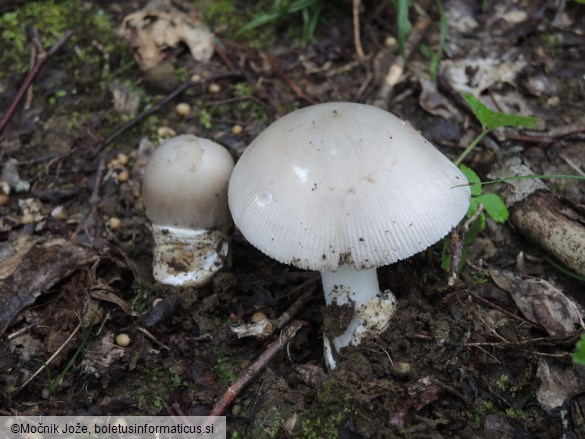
343,188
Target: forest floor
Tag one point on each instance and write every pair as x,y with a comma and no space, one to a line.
474,359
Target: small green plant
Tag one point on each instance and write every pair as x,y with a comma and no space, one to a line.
492,204
223,371
435,55
403,24
205,119
490,120
282,9
579,355
323,427
55,383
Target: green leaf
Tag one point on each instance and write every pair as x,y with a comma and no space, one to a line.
473,206
477,226
494,119
579,355
494,206
473,179
403,23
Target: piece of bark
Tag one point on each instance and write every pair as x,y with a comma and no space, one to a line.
547,220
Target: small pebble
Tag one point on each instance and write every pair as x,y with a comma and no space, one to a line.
123,340
4,188
123,177
183,109
214,88
114,223
258,316
27,218
401,369
390,42
122,159
113,164
59,213
237,129
166,132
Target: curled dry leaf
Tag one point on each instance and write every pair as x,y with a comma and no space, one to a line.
159,26
475,75
541,302
34,270
557,384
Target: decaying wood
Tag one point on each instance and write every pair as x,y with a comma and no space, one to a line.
539,215
554,225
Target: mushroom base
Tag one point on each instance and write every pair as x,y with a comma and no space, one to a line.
373,309
184,257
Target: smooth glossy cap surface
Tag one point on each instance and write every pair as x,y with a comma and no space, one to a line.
344,183
185,184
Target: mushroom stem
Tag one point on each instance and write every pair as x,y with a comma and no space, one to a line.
372,308
188,257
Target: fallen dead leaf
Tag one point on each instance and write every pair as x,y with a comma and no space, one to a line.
43,265
159,26
557,384
541,302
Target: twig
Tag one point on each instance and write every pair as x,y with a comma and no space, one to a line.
359,50
265,328
180,89
41,61
503,311
46,363
90,219
251,372
152,338
292,310
294,87
240,99
456,248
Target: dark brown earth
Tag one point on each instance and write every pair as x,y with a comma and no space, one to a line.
468,360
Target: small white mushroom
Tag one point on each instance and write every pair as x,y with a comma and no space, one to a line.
343,188
185,196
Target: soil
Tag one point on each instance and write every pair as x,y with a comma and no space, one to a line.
462,360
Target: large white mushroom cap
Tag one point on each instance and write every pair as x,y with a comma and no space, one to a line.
344,184
185,184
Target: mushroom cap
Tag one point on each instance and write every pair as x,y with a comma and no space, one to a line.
185,184
344,184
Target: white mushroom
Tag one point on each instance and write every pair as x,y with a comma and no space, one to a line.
185,196
343,188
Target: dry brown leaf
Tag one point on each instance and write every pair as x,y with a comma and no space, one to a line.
475,75
557,384
541,302
40,267
100,354
159,26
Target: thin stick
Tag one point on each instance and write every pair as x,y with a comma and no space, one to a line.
503,311
286,316
180,89
294,87
33,72
46,363
359,50
251,372
457,236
